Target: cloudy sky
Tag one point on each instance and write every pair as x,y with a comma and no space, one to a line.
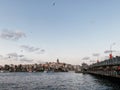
74,31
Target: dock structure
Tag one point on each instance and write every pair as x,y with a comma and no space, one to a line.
109,68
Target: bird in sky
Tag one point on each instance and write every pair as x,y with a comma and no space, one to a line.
54,4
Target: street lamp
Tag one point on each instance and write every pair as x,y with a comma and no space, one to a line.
97,56
111,50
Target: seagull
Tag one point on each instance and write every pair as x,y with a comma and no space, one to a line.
54,4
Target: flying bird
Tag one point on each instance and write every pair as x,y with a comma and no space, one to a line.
54,4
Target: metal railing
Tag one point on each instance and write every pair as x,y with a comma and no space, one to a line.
113,61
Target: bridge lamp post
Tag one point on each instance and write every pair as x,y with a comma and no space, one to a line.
97,56
111,50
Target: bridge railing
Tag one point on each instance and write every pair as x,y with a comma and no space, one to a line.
113,61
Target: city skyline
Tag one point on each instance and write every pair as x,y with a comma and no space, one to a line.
44,30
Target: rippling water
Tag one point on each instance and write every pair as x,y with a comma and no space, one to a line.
54,81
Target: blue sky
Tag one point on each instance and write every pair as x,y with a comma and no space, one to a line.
68,30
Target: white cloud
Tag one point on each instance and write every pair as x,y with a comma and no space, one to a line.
86,58
26,60
1,56
42,51
11,35
32,49
12,55
109,51
96,54
29,48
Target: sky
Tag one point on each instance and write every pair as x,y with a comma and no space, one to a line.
75,31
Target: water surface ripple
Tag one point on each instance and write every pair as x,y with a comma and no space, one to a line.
54,81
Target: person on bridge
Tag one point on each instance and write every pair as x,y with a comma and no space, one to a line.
118,70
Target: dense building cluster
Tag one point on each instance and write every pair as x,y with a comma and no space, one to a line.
48,66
